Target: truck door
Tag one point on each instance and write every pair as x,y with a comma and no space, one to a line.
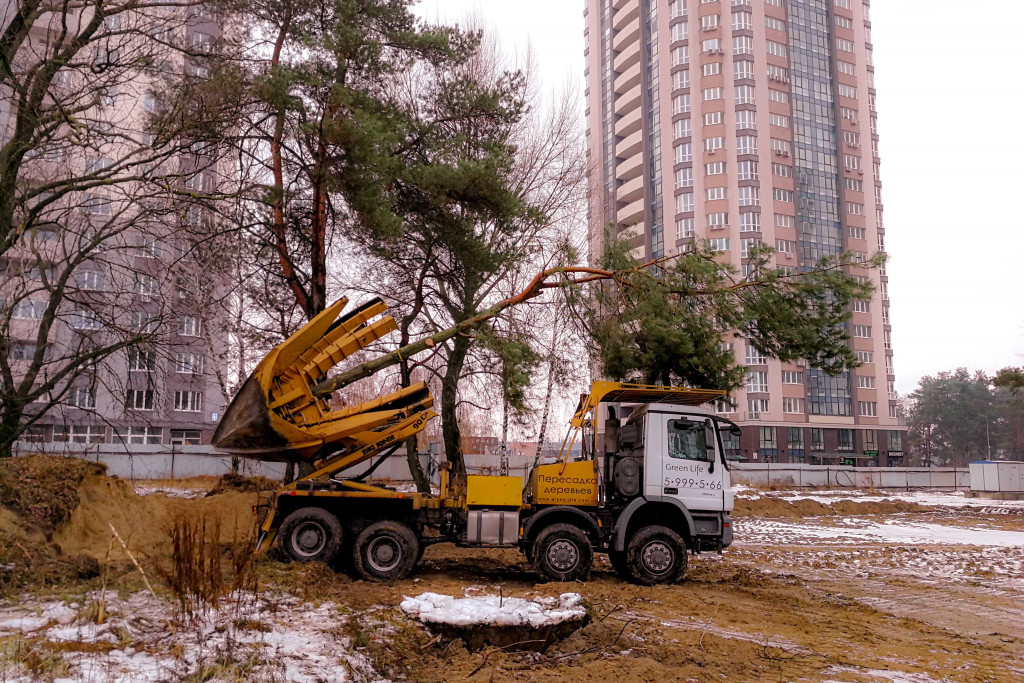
682,461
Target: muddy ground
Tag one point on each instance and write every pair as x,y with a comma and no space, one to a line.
807,592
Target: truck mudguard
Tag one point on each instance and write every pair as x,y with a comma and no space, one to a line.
619,542
574,515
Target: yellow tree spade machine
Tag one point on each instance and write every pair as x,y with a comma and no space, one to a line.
652,488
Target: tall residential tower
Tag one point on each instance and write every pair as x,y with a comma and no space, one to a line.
741,122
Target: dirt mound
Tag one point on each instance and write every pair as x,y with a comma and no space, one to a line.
236,483
770,506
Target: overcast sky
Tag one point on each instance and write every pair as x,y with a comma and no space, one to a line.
951,164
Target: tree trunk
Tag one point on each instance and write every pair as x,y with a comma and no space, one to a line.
10,428
449,419
418,475
547,393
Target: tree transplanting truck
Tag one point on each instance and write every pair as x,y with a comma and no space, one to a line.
650,485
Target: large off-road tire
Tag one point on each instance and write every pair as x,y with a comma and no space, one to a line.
562,552
310,534
654,555
617,558
385,551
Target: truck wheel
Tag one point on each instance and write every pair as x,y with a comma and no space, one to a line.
310,534
656,554
562,553
385,551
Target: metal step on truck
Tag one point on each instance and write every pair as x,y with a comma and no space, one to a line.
649,487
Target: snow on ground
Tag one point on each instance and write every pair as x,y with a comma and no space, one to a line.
931,497
268,637
170,491
857,530
493,609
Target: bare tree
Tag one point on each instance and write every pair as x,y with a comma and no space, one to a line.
112,114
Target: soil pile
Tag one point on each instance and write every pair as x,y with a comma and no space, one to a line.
770,506
236,483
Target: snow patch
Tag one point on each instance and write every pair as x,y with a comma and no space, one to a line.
492,609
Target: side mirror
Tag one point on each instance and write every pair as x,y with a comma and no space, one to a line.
709,443
735,430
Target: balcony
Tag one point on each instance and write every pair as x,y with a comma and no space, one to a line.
617,5
628,57
630,11
627,79
630,145
629,101
630,33
632,212
631,190
628,124
630,168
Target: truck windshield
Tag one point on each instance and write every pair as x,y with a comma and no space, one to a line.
686,440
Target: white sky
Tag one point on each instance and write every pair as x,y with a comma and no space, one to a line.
947,96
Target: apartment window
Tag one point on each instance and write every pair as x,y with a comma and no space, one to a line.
744,94
767,439
681,104
755,357
138,399
710,45
28,310
854,209
844,22
782,147
142,321
81,398
857,233
773,3
747,245
746,170
713,144
188,326
777,49
851,162
868,408
779,120
817,439
848,114
793,406
724,407
844,439
775,24
714,168
785,246
887,339
861,306
189,363
865,381
79,434
780,96
719,244
712,94
781,195
684,202
792,377
681,79
684,228
796,439
712,118
847,90
188,401
185,437
746,119
846,68
741,21
683,152
748,196
680,55
746,144
743,69
853,184
749,222
95,204
82,319
139,435
711,69
709,22
845,4
147,286
97,164
681,128
844,45
742,45
139,359
714,193
862,331
756,406
684,178
895,439
196,182
778,73
782,170
716,221
784,221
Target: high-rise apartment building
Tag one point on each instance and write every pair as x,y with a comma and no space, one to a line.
118,259
743,122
